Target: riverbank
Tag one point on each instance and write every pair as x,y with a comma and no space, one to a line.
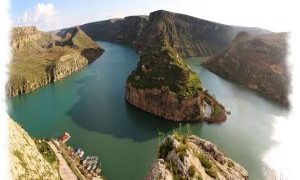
71,165
90,105
64,169
39,58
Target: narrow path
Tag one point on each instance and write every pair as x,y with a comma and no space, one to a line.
65,171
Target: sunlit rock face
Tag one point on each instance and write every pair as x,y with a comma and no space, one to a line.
190,157
26,162
39,57
257,62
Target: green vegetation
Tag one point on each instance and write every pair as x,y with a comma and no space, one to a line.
166,146
79,38
204,161
181,150
46,151
161,68
174,170
19,155
216,110
35,54
207,164
192,171
211,172
164,149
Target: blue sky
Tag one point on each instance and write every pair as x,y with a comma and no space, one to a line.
49,15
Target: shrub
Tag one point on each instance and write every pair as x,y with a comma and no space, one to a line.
46,151
164,148
181,150
211,172
192,171
204,161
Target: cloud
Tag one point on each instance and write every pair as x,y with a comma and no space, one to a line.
43,16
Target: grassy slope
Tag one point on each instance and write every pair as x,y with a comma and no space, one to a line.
33,60
160,68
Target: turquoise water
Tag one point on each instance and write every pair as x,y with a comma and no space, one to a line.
90,105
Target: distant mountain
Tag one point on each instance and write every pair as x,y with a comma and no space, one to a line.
162,83
189,36
39,57
257,62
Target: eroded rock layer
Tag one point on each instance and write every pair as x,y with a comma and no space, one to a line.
26,161
188,35
164,85
257,62
190,157
39,58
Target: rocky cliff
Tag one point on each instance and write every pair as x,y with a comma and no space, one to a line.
188,35
164,85
26,161
257,62
39,57
190,157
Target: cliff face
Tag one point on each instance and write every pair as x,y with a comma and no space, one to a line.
26,162
257,62
190,157
164,85
189,36
40,58
127,30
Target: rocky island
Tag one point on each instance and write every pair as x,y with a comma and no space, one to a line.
190,157
42,57
256,62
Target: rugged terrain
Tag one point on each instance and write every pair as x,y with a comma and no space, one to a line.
189,36
26,159
256,62
39,57
162,83
190,157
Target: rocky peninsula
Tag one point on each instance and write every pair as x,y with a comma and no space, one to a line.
42,57
256,62
190,157
162,83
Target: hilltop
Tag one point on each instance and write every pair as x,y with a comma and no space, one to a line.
40,57
190,157
256,62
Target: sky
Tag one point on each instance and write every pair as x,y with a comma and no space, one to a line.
56,14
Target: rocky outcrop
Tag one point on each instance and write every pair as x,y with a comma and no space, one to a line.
168,105
190,157
256,62
26,161
40,58
162,83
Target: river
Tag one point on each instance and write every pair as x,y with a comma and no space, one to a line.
90,105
